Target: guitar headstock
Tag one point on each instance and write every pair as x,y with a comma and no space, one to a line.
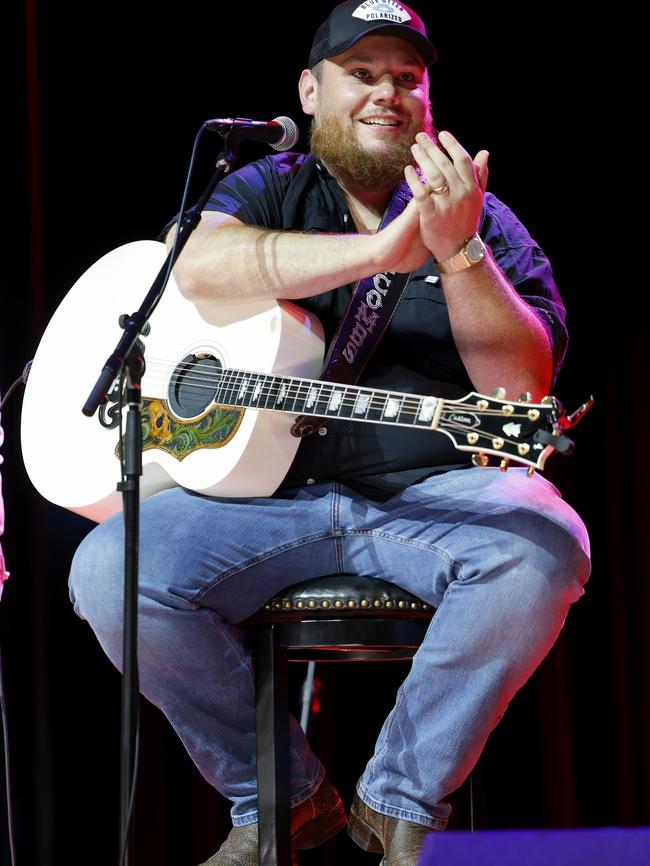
512,430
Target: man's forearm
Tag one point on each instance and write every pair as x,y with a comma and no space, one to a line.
225,259
240,262
498,336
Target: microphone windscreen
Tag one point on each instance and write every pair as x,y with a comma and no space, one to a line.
290,136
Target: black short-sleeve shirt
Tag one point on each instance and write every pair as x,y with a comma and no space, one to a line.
417,353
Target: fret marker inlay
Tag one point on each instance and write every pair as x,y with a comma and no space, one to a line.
311,397
334,401
427,409
392,407
361,404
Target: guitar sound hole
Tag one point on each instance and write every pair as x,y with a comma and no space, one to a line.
194,385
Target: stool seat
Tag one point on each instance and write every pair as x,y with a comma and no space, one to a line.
342,617
342,595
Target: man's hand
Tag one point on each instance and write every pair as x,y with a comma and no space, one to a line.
449,192
399,247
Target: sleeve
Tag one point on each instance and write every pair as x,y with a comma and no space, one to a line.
253,193
528,270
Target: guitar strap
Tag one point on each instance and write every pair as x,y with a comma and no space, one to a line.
365,320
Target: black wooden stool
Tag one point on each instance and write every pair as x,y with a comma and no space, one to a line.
337,618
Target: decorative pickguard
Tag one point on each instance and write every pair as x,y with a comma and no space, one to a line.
162,430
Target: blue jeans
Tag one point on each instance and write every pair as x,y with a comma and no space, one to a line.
500,555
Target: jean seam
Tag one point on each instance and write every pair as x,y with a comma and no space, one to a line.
337,533
261,557
235,646
411,542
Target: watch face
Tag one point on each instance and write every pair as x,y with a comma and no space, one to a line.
475,249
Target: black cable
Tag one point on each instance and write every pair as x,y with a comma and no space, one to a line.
471,802
134,781
22,378
5,740
3,702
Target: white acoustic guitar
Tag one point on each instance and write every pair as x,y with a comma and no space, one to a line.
221,391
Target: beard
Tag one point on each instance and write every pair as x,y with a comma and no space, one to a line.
338,149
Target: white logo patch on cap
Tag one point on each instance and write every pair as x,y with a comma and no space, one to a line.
382,10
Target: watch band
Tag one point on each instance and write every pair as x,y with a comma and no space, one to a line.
471,253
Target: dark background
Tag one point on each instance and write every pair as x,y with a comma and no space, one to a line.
101,105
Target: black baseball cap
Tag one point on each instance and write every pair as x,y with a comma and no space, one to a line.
348,22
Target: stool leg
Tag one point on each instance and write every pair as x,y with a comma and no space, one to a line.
272,719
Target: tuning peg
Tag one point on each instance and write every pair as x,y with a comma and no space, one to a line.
503,466
499,393
525,397
480,459
554,402
531,471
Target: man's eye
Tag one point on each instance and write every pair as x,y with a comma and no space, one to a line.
361,73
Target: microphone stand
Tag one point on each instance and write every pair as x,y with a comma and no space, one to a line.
129,355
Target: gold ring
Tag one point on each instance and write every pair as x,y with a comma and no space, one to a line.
440,190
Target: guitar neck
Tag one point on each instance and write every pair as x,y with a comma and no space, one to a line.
524,431
245,389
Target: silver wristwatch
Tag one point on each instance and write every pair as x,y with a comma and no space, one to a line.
471,253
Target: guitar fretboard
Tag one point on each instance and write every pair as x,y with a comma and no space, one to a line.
243,389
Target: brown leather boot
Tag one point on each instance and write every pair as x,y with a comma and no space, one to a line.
312,823
400,841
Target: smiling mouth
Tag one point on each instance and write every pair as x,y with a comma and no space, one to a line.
382,121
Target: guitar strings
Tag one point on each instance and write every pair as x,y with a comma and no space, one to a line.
205,377
375,403
235,377
376,399
297,387
228,379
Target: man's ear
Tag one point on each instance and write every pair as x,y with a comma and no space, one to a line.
308,90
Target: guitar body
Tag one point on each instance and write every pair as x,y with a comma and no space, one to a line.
72,460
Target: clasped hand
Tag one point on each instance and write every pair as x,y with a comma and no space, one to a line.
448,190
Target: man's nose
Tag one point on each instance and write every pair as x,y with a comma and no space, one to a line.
386,90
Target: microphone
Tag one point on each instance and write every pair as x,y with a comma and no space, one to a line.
281,133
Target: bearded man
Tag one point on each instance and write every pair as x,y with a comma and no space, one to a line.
499,555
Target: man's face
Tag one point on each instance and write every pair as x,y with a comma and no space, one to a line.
368,104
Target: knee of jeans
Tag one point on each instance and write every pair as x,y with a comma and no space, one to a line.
562,550
573,562
97,578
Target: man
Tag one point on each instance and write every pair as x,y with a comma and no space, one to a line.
499,555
